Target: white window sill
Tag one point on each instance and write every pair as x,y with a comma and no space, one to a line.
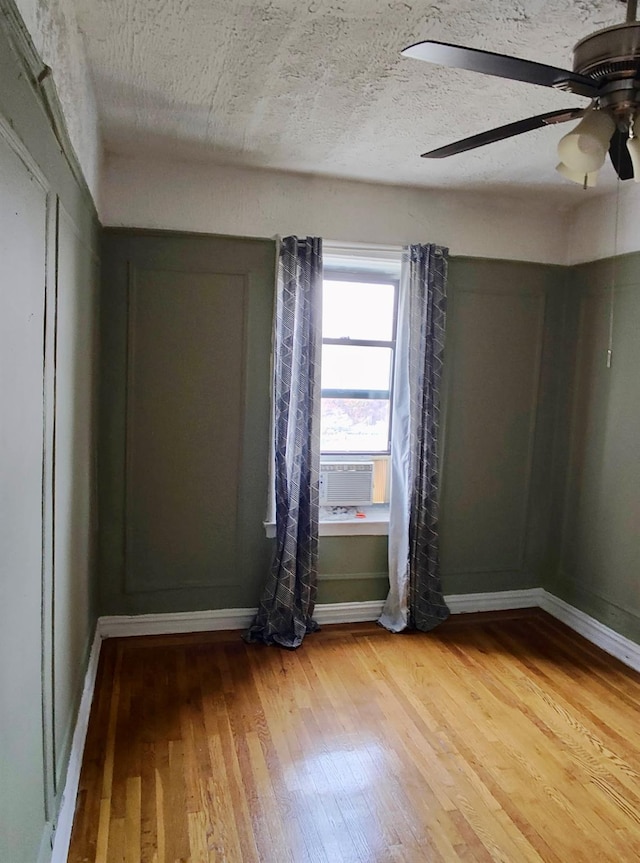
374,523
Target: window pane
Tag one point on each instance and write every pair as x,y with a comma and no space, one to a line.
357,310
352,367
354,425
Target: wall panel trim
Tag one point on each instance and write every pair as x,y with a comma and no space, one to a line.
132,584
7,132
519,562
353,576
48,503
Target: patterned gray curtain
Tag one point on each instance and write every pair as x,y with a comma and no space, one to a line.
415,598
288,600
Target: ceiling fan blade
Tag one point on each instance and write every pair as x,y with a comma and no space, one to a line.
619,155
508,131
502,66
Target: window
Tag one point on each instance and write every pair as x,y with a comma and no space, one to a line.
359,317
358,349
359,314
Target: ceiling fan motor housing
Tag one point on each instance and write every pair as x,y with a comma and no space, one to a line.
611,58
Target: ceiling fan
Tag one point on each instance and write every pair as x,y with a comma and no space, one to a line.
606,68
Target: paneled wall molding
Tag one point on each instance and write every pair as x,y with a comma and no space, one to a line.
48,272
186,326
48,507
517,296
604,290
8,133
482,571
596,544
368,527
41,81
57,742
213,291
353,576
503,290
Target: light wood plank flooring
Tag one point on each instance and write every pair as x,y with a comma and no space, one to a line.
498,737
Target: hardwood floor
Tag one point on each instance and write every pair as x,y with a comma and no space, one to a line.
503,738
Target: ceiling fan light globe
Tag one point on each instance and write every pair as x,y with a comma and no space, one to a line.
584,148
633,146
581,153
578,176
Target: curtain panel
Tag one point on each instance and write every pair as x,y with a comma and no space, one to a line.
285,613
415,599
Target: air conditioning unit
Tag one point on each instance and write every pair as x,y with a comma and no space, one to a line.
344,483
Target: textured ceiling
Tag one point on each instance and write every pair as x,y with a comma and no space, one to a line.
319,86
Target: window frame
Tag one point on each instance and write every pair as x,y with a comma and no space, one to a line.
364,276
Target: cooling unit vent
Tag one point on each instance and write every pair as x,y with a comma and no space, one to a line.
346,483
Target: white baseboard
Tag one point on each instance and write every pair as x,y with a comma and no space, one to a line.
332,612
348,612
67,810
501,600
597,633
175,622
224,619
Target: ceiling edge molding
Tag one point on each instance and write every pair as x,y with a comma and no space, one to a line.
41,79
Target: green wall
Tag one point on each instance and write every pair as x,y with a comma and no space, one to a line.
597,488
185,417
352,568
501,359
186,344
48,330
